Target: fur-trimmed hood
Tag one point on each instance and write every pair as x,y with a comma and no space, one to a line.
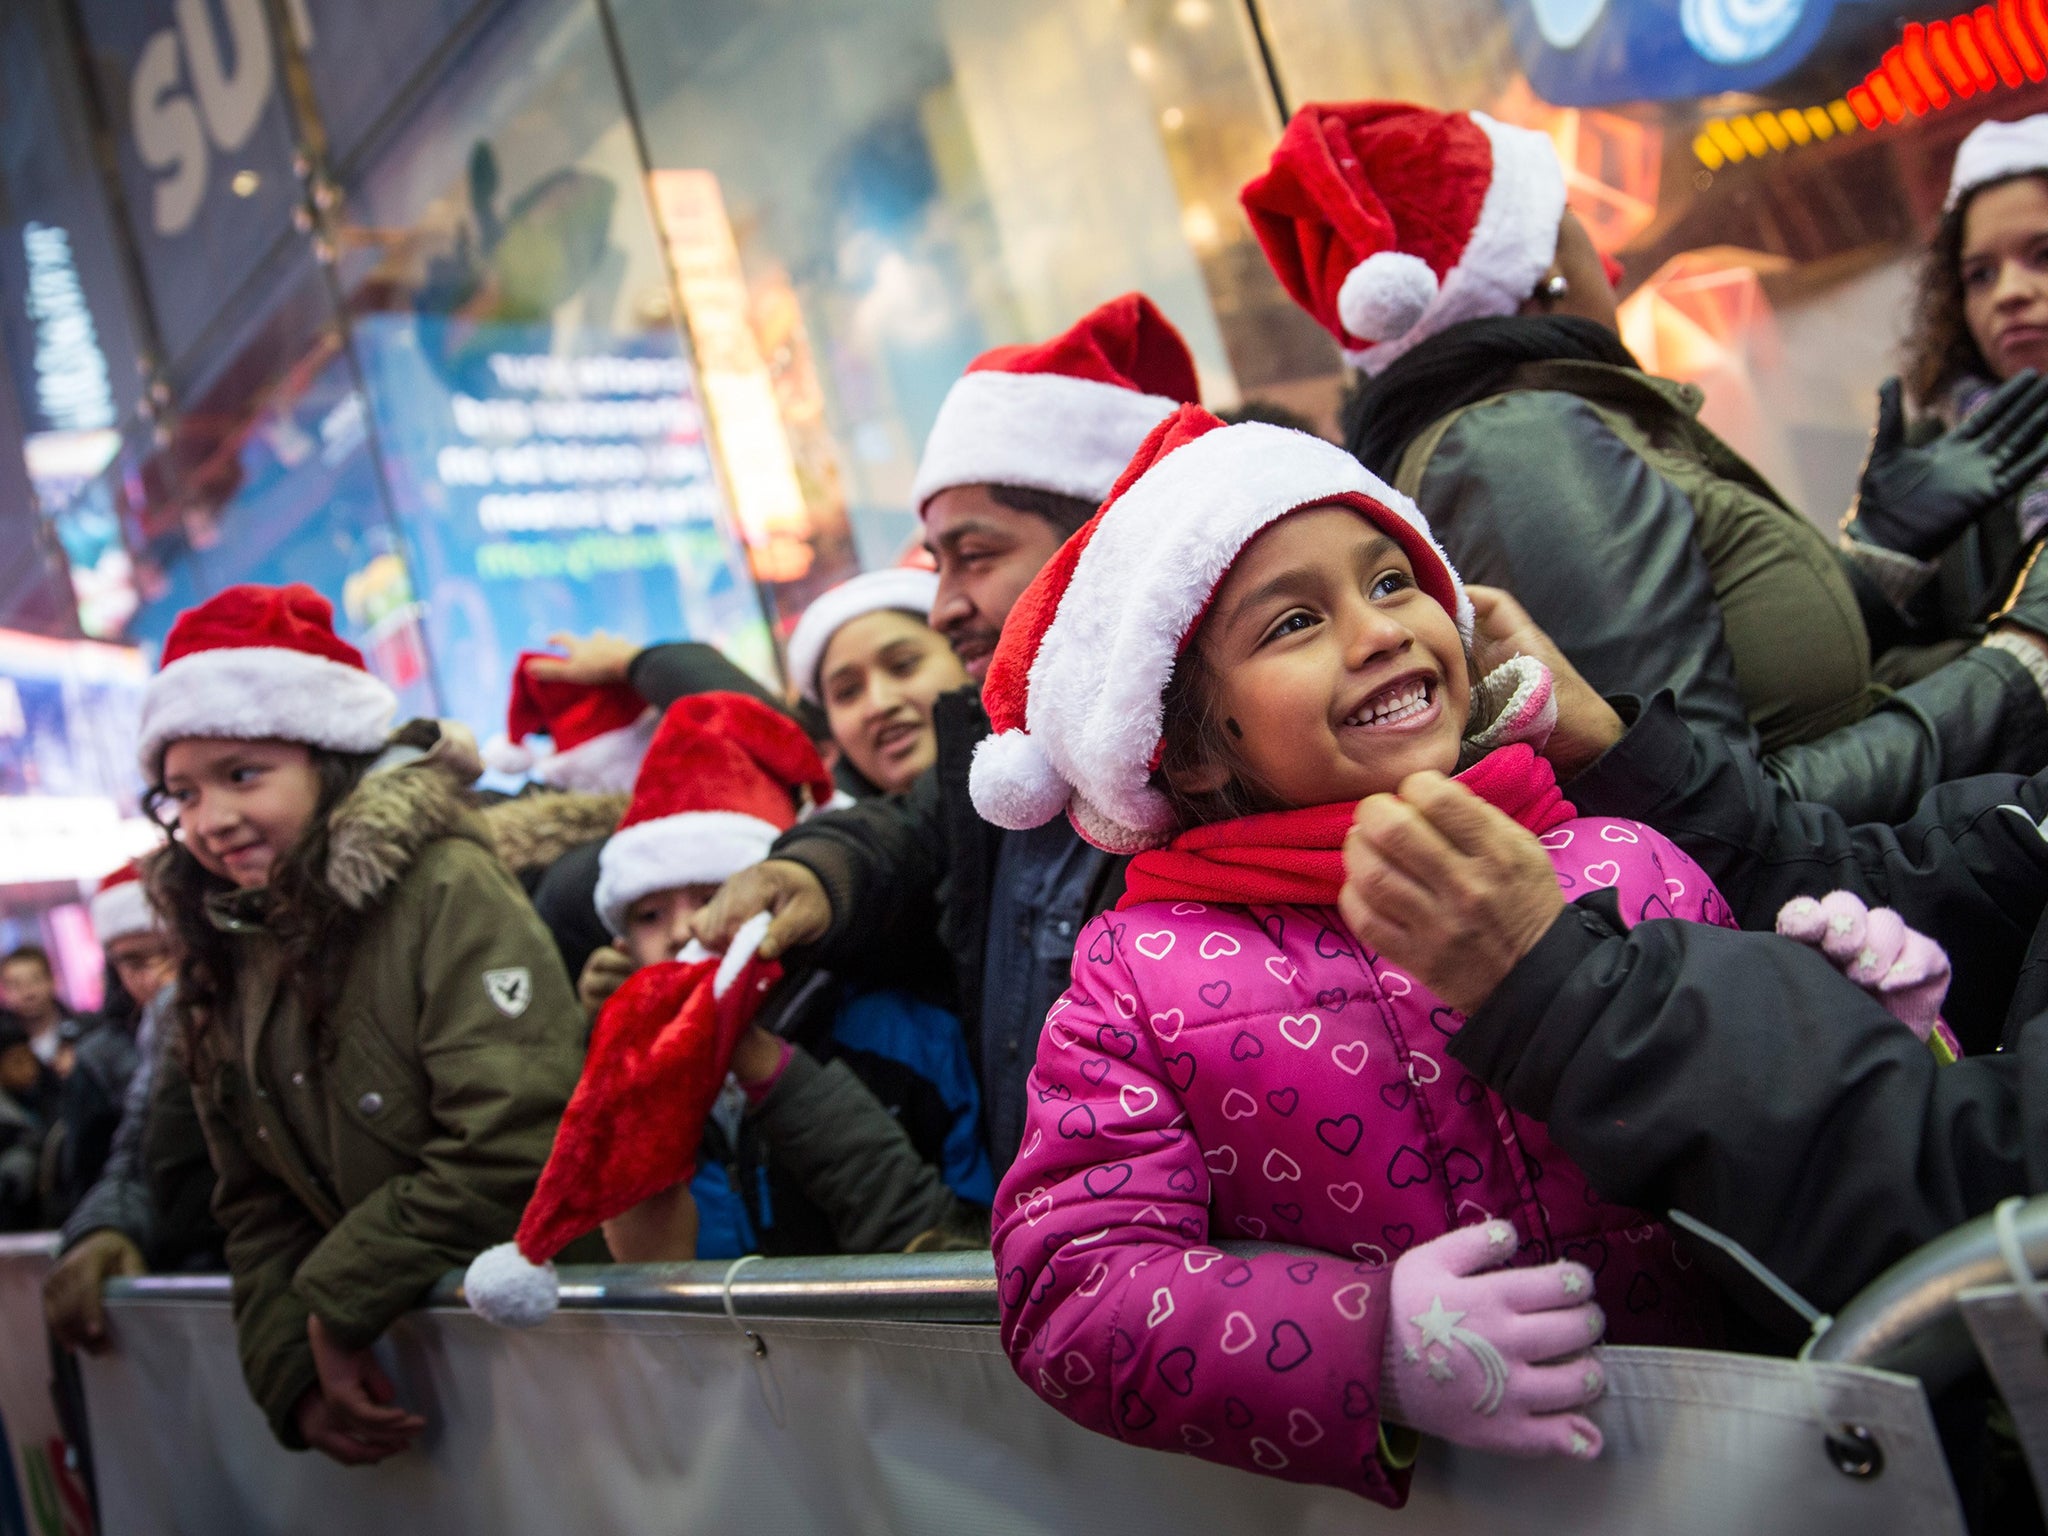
410,798
531,831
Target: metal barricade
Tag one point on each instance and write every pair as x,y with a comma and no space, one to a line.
40,1490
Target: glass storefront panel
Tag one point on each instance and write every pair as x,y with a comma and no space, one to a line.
541,426
906,183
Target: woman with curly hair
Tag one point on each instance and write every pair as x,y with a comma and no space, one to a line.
1974,357
379,1037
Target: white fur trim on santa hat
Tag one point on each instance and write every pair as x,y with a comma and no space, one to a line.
1512,244
261,692
1385,294
503,1286
1044,431
1994,151
689,848
900,588
1096,690
607,763
120,910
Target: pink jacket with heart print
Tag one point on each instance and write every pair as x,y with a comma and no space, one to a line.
1238,1121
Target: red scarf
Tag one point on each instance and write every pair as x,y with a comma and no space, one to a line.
1296,858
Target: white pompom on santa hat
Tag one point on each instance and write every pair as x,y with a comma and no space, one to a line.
120,906
256,663
1064,415
1389,222
598,732
898,589
1076,690
1998,152
724,777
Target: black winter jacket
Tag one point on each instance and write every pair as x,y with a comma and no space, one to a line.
1740,1078
902,870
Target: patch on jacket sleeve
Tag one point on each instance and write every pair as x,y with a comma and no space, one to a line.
510,989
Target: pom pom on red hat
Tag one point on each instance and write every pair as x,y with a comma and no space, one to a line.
658,1055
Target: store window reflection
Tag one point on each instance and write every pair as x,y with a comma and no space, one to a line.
906,183
542,427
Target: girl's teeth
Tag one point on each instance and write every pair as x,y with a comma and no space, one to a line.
1409,701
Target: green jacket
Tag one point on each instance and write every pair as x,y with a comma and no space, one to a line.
356,1169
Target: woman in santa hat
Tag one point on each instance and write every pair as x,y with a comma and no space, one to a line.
866,654
379,1036
1438,250
1974,360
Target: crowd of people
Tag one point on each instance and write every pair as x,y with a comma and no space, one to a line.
1311,909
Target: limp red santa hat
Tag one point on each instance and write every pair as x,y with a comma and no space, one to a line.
1076,689
598,732
1390,222
1065,415
257,663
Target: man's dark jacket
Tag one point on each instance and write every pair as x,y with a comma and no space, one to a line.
903,869
1740,1078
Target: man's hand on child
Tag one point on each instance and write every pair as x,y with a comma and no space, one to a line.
782,886
603,974
1446,887
71,1291
1586,723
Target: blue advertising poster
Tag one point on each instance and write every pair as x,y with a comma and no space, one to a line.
203,145
1597,53
547,482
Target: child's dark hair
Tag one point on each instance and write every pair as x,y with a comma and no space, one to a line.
315,931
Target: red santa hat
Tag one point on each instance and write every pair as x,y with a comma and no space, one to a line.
1997,152
900,589
1062,416
260,663
1076,689
599,731
658,1056
1390,222
120,906
725,776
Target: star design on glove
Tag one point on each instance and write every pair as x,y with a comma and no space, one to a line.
1581,1446
1440,1366
1500,1236
1436,1324
1572,1283
1592,1381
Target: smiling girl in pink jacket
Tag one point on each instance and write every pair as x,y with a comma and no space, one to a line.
1259,1212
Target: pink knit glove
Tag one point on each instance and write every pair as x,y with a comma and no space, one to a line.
1905,971
1488,1357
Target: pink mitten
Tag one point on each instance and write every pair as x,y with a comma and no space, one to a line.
1493,1358
1905,971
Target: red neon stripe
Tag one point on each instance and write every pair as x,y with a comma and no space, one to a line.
1942,49
1903,82
1887,98
1864,105
1993,40
2037,20
1973,56
1914,47
2014,23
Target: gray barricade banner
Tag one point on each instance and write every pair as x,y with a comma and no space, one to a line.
639,1422
39,1493
2009,1338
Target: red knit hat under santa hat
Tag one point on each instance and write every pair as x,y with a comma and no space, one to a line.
600,731
254,663
725,776
1065,415
1076,690
658,1055
120,906
1390,222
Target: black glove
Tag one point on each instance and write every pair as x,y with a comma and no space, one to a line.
1916,500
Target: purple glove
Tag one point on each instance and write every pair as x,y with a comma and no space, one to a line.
1905,971
1488,1357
